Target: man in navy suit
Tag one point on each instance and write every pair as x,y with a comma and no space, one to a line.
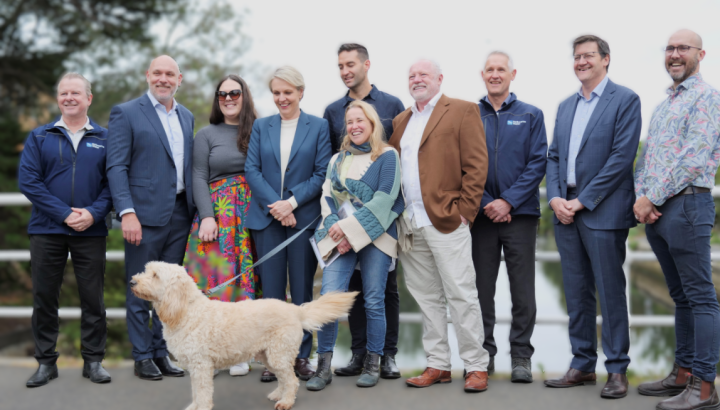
149,163
590,187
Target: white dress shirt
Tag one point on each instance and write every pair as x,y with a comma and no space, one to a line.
287,136
75,137
171,124
409,147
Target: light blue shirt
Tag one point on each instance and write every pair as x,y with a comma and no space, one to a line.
171,124
583,112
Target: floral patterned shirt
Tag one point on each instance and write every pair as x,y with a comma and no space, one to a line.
683,146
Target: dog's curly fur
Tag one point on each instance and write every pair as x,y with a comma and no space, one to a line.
204,335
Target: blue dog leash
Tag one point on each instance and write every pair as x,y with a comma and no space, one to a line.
263,259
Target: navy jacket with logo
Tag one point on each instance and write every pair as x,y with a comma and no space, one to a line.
55,178
517,154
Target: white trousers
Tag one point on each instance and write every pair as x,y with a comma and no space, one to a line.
439,271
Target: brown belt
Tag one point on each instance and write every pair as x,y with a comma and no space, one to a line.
692,190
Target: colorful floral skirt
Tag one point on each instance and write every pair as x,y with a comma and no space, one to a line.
213,263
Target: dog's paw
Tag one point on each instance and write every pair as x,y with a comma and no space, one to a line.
275,395
284,404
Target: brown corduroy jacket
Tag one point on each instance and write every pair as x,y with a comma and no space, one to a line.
452,161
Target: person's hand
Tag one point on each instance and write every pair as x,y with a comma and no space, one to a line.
73,216
131,228
83,221
344,246
497,210
507,218
208,230
280,209
289,221
563,211
464,221
335,232
653,216
575,205
645,211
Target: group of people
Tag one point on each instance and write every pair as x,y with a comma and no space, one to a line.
444,186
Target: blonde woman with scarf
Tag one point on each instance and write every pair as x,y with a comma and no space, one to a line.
365,176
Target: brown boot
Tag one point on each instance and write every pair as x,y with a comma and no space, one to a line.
698,394
429,377
616,386
476,382
672,385
572,378
303,369
268,376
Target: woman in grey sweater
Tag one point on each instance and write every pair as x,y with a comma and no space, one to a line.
219,246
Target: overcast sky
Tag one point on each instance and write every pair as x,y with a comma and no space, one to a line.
459,35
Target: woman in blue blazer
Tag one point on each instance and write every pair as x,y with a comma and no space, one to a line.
286,164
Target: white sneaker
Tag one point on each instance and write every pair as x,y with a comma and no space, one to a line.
240,369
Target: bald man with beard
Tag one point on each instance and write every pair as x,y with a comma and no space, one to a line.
149,168
674,178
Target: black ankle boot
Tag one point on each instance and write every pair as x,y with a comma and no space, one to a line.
371,371
323,375
354,367
388,367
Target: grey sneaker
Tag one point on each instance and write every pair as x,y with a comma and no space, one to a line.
521,370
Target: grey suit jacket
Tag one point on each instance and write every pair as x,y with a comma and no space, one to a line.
604,164
140,166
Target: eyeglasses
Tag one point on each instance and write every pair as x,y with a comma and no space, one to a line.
682,50
587,56
234,94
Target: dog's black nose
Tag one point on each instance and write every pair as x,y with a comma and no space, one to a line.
133,283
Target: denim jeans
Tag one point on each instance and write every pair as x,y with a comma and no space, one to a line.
374,265
681,242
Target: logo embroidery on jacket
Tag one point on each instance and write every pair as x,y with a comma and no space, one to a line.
511,122
94,145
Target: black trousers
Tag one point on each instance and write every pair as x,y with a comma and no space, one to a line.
358,320
48,257
517,240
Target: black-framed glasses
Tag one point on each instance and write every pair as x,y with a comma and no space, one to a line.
234,94
587,56
682,50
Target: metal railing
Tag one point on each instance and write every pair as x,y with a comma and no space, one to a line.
18,199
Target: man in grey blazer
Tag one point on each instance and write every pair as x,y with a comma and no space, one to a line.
590,187
149,163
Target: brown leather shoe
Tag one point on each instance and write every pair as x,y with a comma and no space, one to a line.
303,369
572,378
616,386
268,376
672,385
476,382
698,394
429,377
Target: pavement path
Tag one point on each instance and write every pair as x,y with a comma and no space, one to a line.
71,391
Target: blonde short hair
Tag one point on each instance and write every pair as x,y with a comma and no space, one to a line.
78,76
376,140
289,74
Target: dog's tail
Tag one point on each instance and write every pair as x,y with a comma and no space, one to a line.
327,308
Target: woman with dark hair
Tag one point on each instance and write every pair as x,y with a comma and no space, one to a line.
219,246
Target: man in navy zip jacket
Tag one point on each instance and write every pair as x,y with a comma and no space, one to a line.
510,208
62,172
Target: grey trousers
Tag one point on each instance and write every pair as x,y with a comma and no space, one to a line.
439,272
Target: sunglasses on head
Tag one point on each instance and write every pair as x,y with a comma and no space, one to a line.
234,94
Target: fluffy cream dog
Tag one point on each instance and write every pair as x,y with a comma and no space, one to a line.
204,334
